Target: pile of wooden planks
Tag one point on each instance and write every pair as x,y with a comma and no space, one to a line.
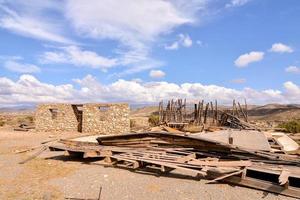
178,113
232,121
198,157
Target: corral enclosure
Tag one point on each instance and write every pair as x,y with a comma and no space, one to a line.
95,118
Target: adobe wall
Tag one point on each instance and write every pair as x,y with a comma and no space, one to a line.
64,119
106,118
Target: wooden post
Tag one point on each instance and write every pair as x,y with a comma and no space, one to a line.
201,111
246,110
216,111
233,109
205,113
195,112
198,113
184,109
244,115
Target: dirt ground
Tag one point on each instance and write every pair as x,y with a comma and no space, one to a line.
55,176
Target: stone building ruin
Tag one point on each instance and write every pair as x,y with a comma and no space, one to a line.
95,118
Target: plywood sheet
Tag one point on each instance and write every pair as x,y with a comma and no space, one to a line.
253,140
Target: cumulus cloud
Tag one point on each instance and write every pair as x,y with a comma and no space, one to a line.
183,40
28,89
236,3
281,48
292,91
157,74
78,57
293,69
14,66
246,59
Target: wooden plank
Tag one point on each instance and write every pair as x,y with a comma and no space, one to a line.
170,165
284,177
263,185
245,163
44,148
226,176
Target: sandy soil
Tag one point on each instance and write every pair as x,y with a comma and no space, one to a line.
54,176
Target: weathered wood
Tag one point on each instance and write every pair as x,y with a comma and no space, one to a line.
44,148
226,176
246,110
242,111
263,185
205,113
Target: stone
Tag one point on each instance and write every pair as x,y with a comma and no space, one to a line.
93,118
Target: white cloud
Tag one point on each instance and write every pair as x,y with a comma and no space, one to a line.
183,40
135,25
239,80
75,56
173,46
30,90
293,69
136,29
236,3
30,26
292,91
281,48
245,59
14,66
137,80
128,20
186,40
157,74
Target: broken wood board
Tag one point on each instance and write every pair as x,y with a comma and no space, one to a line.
253,140
265,180
172,130
285,141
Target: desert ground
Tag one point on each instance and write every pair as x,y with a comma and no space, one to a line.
54,176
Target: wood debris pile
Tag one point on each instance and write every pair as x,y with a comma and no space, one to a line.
199,157
178,113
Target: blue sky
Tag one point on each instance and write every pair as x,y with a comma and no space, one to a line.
145,51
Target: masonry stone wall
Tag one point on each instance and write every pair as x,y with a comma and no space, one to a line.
93,118
106,118
56,117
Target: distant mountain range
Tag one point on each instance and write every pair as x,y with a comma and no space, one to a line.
17,108
134,106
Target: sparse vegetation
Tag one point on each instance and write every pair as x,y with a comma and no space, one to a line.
2,123
153,120
291,126
25,119
30,119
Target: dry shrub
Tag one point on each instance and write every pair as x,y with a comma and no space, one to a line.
2,123
291,126
154,120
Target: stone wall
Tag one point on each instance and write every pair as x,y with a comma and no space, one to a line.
106,118
56,117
